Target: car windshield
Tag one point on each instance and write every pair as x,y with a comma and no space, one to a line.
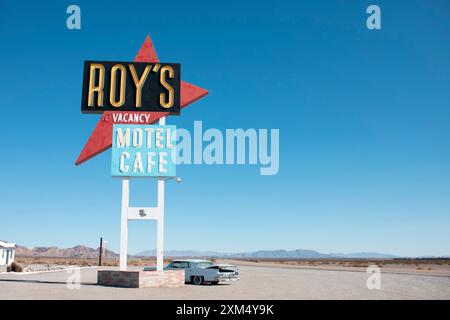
179,265
204,265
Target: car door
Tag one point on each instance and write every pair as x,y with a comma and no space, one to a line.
188,271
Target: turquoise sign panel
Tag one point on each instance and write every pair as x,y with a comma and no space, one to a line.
143,151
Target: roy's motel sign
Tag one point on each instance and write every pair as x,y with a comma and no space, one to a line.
131,98
130,86
135,86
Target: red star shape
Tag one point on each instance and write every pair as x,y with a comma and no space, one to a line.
101,138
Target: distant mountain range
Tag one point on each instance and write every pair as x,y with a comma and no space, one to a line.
55,252
364,255
87,252
271,254
181,253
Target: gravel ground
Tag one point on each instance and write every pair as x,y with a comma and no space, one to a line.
257,282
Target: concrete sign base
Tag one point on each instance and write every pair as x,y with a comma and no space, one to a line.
141,279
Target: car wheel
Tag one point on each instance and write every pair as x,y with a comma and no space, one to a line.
214,282
197,280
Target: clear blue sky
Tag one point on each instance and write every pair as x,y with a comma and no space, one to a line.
364,119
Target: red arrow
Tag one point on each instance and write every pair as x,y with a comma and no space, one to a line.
101,138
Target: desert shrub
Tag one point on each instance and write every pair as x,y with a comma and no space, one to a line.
39,261
360,264
135,262
83,263
16,267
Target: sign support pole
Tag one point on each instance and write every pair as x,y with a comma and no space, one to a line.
124,224
160,221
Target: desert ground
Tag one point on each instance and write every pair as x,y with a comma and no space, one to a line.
258,280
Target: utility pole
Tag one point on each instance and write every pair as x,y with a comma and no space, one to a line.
105,244
100,255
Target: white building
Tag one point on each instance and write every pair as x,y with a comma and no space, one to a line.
7,253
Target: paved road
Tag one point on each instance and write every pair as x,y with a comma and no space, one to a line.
255,283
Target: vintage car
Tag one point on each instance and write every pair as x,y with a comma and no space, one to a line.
201,271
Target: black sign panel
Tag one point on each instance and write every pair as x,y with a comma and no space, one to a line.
130,86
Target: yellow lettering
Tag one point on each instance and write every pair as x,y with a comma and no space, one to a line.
139,83
93,88
112,92
162,96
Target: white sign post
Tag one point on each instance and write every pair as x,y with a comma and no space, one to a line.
140,213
